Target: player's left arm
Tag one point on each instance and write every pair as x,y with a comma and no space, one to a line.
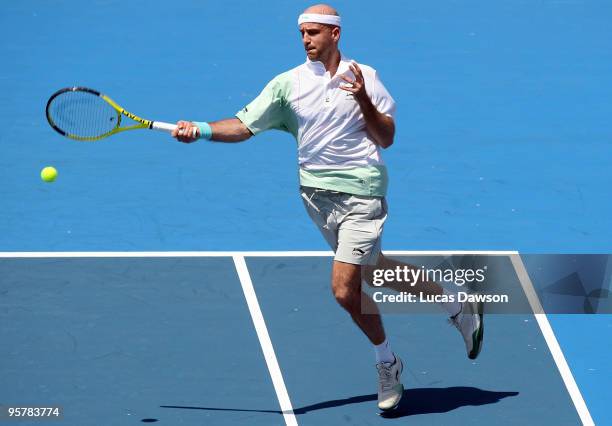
380,126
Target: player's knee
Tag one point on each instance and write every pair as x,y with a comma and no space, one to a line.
344,295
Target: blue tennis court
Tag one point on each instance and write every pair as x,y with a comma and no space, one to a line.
178,339
120,296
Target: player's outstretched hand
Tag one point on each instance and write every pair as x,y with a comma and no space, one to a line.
186,132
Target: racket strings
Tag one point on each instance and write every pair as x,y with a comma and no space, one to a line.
83,114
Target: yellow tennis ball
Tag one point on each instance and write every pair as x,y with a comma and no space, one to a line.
48,174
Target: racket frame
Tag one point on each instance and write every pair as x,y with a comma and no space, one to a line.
142,123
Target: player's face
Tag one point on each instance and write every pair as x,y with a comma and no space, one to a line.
319,40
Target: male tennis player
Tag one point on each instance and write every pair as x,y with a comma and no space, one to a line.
342,116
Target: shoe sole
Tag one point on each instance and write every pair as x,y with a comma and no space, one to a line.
386,410
478,335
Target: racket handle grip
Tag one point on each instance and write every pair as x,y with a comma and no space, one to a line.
160,125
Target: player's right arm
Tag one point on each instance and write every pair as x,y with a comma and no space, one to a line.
229,130
268,110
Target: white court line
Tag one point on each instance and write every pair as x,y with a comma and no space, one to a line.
551,341
79,254
322,253
264,341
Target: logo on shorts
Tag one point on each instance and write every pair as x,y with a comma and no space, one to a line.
358,252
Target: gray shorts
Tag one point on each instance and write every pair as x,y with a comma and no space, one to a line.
351,224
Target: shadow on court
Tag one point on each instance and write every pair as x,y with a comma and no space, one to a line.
443,400
415,401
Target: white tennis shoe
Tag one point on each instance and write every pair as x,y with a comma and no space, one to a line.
390,389
470,323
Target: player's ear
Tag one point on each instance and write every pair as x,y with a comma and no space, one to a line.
335,32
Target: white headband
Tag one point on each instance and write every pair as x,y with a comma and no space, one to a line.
319,19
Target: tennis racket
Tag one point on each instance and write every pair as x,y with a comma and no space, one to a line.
87,115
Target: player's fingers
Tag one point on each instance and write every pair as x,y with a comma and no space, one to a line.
357,71
186,131
348,79
350,82
189,131
358,79
347,88
179,128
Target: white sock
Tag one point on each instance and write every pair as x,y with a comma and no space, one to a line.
453,308
384,352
